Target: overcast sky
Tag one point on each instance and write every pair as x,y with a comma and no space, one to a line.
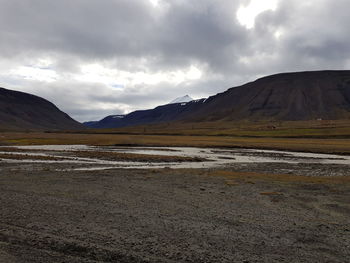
94,58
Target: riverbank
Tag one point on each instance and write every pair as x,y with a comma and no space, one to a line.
320,145
84,157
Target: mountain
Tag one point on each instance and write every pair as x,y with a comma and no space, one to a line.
183,99
110,121
20,111
164,113
286,96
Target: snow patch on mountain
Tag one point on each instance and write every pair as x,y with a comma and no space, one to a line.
183,99
118,116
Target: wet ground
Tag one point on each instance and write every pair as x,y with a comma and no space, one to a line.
196,157
246,206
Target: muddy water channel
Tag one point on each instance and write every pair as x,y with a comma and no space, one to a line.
83,157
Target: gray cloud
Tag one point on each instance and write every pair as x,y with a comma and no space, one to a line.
126,37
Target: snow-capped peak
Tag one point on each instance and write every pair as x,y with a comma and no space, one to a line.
118,116
182,99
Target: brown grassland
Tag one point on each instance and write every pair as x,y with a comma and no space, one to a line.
114,156
291,129
239,177
275,212
12,156
324,136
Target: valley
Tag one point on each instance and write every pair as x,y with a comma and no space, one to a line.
158,131
254,176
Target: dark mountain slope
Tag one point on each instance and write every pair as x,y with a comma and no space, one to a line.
286,96
164,113
20,110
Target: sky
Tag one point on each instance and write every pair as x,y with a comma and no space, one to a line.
93,58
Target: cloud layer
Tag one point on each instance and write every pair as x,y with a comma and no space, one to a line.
98,57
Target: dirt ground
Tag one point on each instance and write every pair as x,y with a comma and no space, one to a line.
170,215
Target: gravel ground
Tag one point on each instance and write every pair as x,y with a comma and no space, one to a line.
170,215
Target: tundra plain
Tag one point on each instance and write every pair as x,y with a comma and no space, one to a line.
245,212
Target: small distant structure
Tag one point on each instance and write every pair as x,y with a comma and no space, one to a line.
271,127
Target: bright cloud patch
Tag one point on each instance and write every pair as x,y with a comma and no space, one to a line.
154,2
246,14
96,73
33,73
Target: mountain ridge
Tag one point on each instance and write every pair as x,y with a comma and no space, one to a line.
305,95
20,110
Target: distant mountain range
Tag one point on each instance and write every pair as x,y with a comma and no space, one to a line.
164,113
286,96
20,111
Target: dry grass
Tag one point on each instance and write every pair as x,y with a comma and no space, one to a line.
114,156
231,182
295,129
12,149
11,156
252,177
294,144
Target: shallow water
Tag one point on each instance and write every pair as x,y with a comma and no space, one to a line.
214,157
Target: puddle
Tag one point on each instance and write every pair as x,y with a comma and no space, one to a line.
214,157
